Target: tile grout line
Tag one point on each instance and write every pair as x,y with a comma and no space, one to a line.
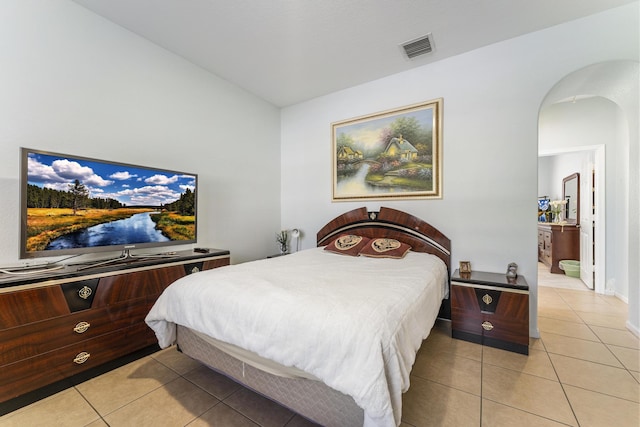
529,412
481,382
100,417
533,375
219,400
160,386
590,327
610,351
562,386
182,375
600,341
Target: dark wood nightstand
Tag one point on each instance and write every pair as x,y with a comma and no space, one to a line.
489,309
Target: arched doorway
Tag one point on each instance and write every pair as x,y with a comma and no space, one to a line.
605,84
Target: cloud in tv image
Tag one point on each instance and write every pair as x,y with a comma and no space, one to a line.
74,202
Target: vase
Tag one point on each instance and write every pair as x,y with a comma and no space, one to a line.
557,217
283,248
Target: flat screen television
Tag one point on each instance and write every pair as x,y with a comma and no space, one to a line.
76,205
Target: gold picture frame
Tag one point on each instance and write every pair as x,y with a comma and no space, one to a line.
395,154
465,267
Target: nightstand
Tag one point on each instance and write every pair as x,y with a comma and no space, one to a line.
489,309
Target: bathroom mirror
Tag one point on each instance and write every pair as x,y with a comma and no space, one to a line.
571,193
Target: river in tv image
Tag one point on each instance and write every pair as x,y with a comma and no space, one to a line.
138,228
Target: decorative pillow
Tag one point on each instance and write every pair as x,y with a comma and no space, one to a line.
349,244
385,248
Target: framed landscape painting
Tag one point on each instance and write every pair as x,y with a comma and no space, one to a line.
394,154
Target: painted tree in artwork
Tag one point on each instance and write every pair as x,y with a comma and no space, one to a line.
79,194
344,140
412,131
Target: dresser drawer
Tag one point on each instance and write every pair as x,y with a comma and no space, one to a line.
29,374
31,305
41,337
216,263
149,283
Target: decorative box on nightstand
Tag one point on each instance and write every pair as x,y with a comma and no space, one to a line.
489,309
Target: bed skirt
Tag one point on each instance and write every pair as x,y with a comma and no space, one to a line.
311,399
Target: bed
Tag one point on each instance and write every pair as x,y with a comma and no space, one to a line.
332,336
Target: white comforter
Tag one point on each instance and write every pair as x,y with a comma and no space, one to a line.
354,322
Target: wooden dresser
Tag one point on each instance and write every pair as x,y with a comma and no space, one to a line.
59,324
489,309
557,243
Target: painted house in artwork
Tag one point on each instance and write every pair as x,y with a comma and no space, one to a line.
401,148
348,153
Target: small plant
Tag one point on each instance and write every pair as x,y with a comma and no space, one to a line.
557,206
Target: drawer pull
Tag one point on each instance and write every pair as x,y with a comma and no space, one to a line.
81,327
81,358
487,299
487,326
85,292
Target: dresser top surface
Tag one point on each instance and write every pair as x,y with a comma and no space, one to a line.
557,226
71,271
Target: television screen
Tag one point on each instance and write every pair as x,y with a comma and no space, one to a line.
76,205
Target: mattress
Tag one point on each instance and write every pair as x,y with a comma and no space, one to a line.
355,323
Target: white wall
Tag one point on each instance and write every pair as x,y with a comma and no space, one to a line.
491,102
74,83
556,168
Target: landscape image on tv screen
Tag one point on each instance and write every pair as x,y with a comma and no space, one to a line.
75,203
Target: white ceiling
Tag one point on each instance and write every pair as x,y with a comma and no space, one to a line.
289,51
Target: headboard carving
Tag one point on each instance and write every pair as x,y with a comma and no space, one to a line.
392,223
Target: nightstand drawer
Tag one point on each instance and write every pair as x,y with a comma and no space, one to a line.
490,326
506,330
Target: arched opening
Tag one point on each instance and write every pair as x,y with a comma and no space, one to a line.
594,111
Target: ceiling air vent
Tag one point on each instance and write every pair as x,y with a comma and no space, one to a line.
417,47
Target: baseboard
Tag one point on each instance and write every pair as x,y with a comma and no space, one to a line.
634,330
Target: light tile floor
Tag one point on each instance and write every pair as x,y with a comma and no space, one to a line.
583,371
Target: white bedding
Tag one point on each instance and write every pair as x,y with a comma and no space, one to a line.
354,322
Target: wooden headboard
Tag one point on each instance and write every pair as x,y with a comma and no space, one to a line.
421,236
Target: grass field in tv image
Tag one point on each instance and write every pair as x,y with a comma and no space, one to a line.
77,203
